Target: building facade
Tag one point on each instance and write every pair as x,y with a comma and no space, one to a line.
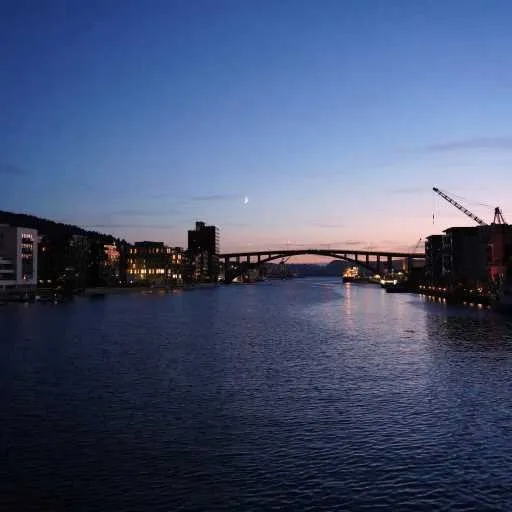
7,273
103,263
111,263
18,256
434,259
78,258
154,263
465,256
499,252
203,251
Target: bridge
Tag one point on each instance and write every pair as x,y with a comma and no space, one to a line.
236,263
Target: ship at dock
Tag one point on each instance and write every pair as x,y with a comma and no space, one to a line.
351,275
354,275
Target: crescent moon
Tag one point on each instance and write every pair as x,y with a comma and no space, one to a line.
246,200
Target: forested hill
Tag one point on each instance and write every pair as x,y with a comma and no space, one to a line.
49,227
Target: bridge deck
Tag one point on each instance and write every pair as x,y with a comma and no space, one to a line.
324,252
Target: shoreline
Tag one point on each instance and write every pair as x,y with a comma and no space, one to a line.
53,295
121,290
113,290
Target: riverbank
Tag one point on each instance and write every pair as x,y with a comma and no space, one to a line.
51,294
121,290
460,296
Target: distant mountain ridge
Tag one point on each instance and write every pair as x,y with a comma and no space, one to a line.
49,227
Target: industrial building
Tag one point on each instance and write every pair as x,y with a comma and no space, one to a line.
155,263
203,250
18,257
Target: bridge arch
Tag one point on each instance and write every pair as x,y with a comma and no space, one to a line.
334,256
383,258
279,255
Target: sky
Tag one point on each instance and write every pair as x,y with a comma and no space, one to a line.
334,118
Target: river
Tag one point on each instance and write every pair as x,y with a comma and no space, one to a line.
297,395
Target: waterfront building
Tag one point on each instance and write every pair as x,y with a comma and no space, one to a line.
111,271
7,273
78,257
154,263
103,263
465,256
64,258
203,250
434,259
123,248
18,257
111,254
499,252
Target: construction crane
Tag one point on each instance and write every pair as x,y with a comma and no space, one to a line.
477,219
498,215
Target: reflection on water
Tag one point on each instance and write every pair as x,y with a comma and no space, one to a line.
295,395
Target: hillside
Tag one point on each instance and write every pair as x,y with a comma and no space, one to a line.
50,228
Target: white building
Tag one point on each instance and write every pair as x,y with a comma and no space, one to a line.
18,256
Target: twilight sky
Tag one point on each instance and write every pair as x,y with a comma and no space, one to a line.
335,118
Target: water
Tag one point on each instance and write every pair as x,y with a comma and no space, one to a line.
297,395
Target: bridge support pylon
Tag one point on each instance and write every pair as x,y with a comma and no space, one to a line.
228,274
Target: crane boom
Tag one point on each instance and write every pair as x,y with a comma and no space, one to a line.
477,219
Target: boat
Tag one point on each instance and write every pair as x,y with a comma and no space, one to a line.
353,275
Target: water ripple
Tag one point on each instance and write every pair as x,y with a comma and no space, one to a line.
301,395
